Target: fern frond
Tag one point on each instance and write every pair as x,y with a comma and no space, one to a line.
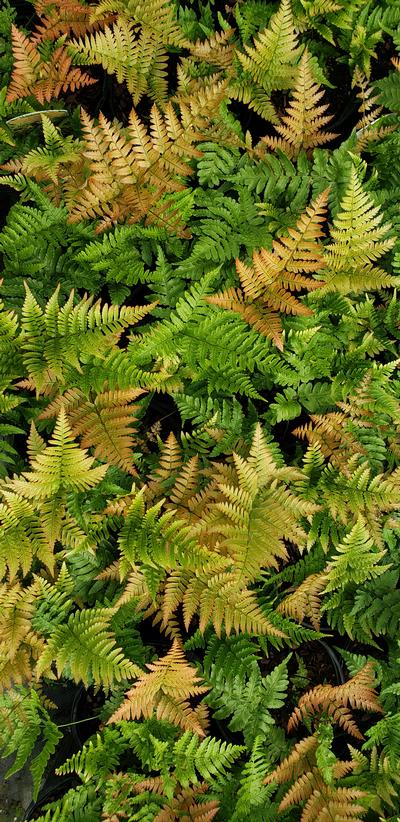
85,647
61,466
357,560
26,534
137,59
357,693
131,170
62,17
271,61
305,602
27,725
358,239
44,79
103,422
166,691
302,125
269,283
157,16
56,339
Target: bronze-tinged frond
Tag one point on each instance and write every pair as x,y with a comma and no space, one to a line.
267,286
216,50
62,17
44,79
305,602
184,806
300,758
302,126
132,173
336,700
219,597
103,422
20,645
166,691
329,432
321,802
169,464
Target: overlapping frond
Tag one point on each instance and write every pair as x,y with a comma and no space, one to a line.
336,700
302,127
270,63
44,79
132,174
268,286
358,238
135,58
61,17
166,691
86,646
103,422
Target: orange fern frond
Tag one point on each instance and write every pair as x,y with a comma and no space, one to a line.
321,802
103,423
329,432
305,602
166,691
44,79
62,17
131,170
357,693
302,757
184,806
268,285
302,126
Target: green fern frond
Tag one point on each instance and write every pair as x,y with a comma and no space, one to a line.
85,648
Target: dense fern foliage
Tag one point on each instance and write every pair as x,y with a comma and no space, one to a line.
199,399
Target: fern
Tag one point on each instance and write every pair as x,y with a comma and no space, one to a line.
166,691
270,63
43,79
268,284
85,647
358,238
25,724
134,60
301,127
